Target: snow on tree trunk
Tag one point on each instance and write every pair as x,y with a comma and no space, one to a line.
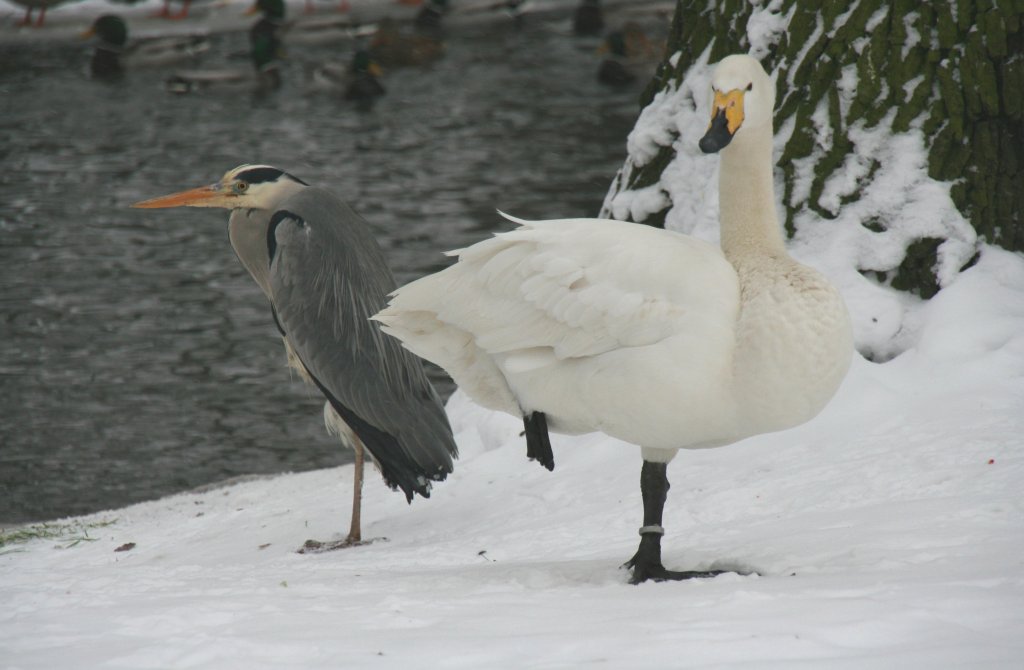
899,132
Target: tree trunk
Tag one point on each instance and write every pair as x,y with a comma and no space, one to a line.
945,76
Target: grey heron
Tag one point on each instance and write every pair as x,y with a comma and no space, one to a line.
324,274
648,335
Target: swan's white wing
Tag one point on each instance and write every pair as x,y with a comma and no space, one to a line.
586,286
557,291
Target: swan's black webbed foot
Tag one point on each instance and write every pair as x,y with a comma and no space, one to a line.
646,563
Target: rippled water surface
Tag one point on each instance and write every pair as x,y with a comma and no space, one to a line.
137,358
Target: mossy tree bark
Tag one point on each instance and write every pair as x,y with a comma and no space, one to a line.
954,70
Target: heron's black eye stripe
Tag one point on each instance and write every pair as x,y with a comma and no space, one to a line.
260,175
279,216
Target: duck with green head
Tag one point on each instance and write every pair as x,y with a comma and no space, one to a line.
266,52
112,34
266,48
363,86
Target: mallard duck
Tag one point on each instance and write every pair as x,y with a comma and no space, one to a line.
265,53
364,86
358,80
309,30
648,335
271,11
112,52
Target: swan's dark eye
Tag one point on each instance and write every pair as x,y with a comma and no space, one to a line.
750,86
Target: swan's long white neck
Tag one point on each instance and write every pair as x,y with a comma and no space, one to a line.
746,195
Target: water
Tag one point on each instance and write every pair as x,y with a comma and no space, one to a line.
137,358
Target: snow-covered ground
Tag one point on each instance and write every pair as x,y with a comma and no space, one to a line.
887,533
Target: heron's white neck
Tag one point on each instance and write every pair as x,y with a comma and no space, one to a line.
248,226
247,229
746,196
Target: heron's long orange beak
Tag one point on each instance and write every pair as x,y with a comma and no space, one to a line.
204,196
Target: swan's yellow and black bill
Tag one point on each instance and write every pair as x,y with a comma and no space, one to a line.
726,119
204,196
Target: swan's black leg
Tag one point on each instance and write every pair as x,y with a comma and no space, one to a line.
538,443
646,563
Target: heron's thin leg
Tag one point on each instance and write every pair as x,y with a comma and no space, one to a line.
354,532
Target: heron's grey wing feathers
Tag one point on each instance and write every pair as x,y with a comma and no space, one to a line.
327,277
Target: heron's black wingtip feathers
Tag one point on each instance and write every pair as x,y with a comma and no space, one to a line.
412,460
400,471
412,486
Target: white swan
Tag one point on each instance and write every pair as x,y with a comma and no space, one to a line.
650,336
